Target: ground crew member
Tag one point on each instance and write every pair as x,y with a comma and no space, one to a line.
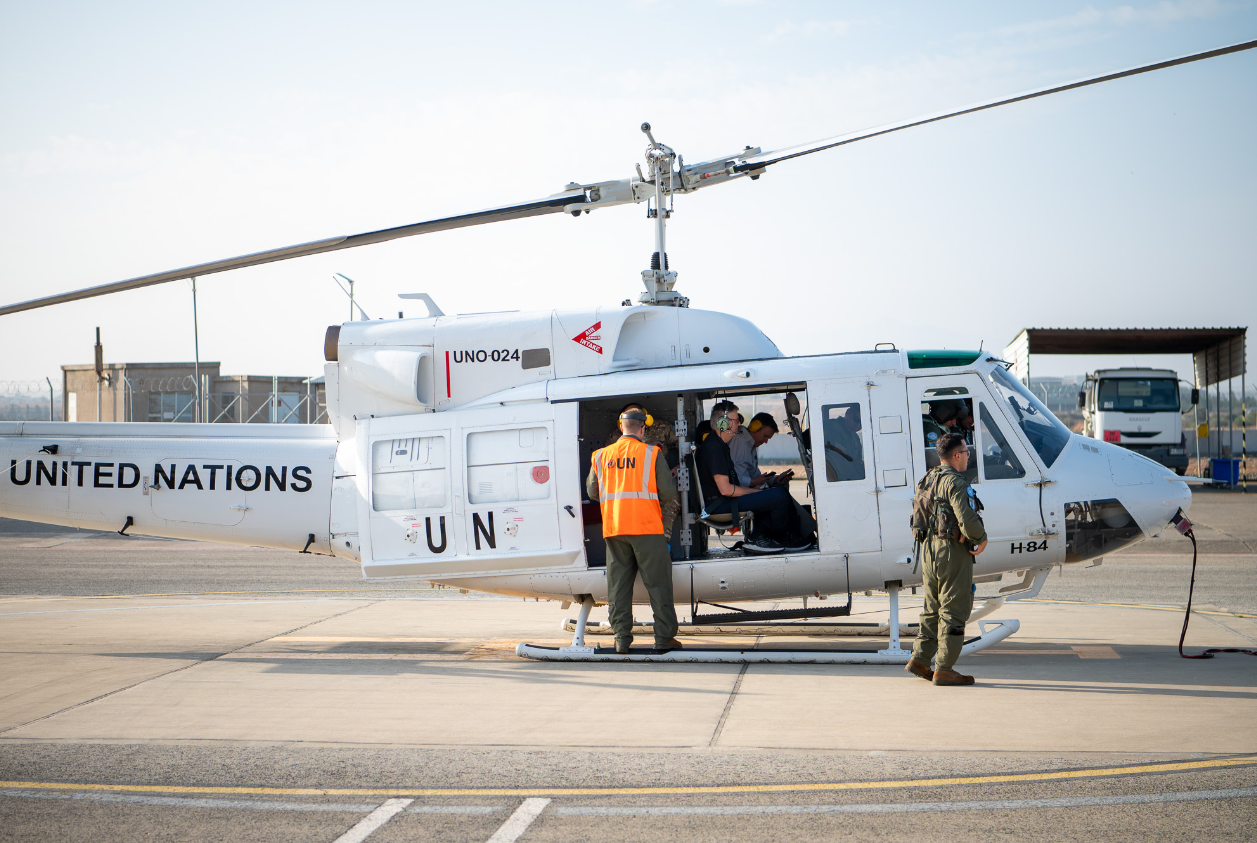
665,437
632,481
954,540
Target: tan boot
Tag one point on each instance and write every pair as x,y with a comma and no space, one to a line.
917,669
670,644
622,645
943,676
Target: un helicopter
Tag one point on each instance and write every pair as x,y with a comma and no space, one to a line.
459,444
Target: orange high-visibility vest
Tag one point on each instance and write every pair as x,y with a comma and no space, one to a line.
627,489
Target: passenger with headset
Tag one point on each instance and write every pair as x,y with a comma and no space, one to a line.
743,447
776,527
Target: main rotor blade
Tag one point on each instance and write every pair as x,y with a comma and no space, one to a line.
760,161
550,205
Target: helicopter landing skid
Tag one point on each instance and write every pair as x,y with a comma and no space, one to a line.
579,651
992,633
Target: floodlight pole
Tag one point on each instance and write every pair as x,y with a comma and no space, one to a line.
50,397
196,350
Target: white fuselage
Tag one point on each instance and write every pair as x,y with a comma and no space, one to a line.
488,493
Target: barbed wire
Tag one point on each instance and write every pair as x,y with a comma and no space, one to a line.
173,383
32,387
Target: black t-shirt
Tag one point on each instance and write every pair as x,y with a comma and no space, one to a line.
713,458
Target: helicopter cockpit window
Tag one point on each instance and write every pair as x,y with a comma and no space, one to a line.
1046,433
946,410
508,465
409,474
998,460
844,442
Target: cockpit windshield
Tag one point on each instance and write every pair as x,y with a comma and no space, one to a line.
1046,433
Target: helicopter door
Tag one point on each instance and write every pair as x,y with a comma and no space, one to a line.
844,466
471,492
1000,468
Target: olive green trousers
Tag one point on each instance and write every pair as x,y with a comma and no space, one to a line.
627,556
948,570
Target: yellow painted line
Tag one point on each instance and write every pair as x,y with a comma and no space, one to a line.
1083,652
1060,775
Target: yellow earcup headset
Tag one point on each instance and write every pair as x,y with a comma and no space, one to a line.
650,420
755,425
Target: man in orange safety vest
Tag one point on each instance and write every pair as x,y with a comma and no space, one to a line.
633,483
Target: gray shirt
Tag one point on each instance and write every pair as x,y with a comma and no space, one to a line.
745,459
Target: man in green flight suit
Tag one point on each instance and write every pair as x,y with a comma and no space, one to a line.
948,554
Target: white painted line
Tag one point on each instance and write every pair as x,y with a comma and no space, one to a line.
908,807
518,822
374,820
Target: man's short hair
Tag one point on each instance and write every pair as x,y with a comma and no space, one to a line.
767,420
632,425
948,444
721,408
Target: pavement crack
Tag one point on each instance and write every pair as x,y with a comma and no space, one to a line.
724,715
1228,628
197,663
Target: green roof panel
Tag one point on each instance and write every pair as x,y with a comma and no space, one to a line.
935,358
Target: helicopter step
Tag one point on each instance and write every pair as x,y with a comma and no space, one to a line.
998,631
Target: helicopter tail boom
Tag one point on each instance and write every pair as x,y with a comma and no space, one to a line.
259,485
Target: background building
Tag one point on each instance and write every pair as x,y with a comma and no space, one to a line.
168,392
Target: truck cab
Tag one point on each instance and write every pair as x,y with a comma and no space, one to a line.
1139,409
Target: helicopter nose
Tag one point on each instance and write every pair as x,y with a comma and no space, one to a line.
1151,492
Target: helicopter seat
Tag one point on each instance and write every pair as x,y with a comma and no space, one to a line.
721,522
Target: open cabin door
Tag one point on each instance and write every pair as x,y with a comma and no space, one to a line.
470,492
1001,469
844,467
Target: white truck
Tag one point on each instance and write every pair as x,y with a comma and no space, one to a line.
1139,409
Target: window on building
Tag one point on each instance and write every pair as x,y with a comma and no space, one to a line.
171,407
508,465
409,474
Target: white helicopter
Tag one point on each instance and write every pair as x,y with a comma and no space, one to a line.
459,444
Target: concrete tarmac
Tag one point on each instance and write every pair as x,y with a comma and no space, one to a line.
154,690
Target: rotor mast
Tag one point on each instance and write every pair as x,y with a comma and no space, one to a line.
659,280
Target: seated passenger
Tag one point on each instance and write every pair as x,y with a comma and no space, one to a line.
939,420
844,444
776,527
743,448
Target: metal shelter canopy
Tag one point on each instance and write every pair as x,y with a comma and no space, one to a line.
1218,353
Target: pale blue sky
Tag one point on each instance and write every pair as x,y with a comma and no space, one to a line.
140,137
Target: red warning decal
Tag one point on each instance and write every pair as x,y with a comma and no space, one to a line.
590,337
540,473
